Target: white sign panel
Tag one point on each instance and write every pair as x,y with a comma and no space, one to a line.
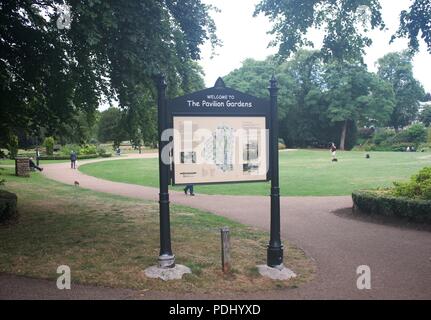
211,149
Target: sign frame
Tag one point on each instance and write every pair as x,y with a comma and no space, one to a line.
180,107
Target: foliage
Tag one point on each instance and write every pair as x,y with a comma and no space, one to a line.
344,24
111,126
319,102
416,20
385,204
8,205
419,186
101,151
354,94
111,50
67,149
12,146
366,133
397,69
49,145
88,149
416,133
81,157
425,115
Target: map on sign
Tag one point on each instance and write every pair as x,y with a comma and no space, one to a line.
210,149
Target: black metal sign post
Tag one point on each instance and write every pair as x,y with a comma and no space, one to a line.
275,248
166,258
215,102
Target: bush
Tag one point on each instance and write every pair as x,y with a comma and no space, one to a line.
419,186
12,146
386,204
8,205
383,136
396,147
67,149
365,133
416,133
60,157
88,149
49,145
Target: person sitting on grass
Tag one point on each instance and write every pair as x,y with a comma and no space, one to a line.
33,165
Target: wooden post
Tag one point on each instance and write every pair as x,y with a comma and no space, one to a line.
225,249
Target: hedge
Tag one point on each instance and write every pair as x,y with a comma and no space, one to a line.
8,205
83,157
385,204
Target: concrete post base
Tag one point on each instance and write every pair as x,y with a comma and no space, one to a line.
277,273
175,273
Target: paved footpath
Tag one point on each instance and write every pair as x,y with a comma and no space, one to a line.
399,257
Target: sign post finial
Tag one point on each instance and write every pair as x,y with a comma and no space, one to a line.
219,84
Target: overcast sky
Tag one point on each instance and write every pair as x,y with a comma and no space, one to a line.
244,36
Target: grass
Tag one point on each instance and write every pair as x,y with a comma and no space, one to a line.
109,240
302,173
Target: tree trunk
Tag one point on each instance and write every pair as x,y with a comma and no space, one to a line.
343,135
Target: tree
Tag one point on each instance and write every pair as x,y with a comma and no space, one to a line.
343,21
49,143
354,94
396,68
425,116
416,19
112,126
112,49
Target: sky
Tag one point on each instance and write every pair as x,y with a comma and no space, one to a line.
245,36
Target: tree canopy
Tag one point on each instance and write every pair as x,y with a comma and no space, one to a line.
396,68
414,21
345,24
111,50
319,101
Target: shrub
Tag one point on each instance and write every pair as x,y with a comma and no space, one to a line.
8,205
384,136
365,133
60,157
12,146
419,186
67,149
88,149
416,133
49,145
386,204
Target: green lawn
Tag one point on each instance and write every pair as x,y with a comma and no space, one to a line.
109,240
302,173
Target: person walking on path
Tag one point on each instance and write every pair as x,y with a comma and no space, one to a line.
189,187
73,158
37,156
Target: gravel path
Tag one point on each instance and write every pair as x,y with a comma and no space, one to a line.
399,256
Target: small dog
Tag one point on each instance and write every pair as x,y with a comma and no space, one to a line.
76,184
335,160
